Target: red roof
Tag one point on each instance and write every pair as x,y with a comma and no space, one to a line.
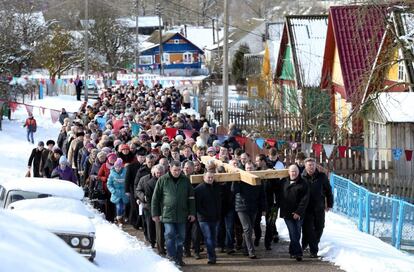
357,32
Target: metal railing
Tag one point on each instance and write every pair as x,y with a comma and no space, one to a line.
388,218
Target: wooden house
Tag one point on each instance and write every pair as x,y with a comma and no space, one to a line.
180,56
353,38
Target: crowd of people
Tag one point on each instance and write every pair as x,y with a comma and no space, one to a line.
142,177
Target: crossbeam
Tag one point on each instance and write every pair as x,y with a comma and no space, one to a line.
236,174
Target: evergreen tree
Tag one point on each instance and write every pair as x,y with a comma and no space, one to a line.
238,64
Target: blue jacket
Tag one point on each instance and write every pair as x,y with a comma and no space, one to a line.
116,186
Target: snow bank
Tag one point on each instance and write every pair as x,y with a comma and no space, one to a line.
354,251
25,247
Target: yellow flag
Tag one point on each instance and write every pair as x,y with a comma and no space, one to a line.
266,62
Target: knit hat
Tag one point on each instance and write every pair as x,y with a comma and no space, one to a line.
124,147
165,146
118,163
107,150
101,156
63,160
41,143
111,157
211,149
179,138
89,145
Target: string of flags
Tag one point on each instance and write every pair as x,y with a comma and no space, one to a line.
109,82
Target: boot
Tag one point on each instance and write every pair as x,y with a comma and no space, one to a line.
120,221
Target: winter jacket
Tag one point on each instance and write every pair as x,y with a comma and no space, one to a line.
36,159
103,175
145,190
62,117
208,202
61,139
50,165
295,198
116,186
131,172
173,200
31,124
143,171
248,198
320,190
227,197
64,174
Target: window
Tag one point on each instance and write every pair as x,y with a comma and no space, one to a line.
166,58
401,68
188,57
145,60
176,41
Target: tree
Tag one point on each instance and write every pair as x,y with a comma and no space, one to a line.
57,52
238,64
111,45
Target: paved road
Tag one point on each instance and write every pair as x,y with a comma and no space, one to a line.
275,260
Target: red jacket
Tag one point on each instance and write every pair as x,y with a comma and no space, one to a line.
30,124
103,175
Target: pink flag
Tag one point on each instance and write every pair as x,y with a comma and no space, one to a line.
188,133
317,148
342,150
54,114
29,109
117,124
408,154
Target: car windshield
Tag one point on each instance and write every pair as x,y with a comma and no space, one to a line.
16,195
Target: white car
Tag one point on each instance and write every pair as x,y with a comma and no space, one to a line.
54,205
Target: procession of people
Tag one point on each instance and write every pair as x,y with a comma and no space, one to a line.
134,151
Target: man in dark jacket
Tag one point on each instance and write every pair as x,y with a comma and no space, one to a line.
63,115
320,200
35,159
249,200
143,193
131,172
173,200
295,201
208,207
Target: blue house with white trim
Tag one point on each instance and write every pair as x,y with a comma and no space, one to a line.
180,56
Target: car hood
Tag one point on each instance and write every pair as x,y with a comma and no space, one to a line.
57,204
58,221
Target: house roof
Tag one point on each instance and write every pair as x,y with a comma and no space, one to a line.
143,21
154,39
396,107
307,35
357,32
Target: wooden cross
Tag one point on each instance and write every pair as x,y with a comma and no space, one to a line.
236,174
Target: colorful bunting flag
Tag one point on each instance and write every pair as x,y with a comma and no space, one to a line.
408,155
171,132
260,142
342,150
271,142
317,148
222,138
29,109
54,115
13,106
101,123
117,124
136,129
188,133
241,140
357,148
293,145
306,148
397,153
371,153
328,149
280,144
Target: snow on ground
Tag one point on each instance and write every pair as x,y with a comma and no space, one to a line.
116,250
341,244
21,240
354,251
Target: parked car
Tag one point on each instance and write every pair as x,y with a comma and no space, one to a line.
54,205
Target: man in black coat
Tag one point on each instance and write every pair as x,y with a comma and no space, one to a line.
143,193
35,159
295,201
249,200
131,171
208,207
320,200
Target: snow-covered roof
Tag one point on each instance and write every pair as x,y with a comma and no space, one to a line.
200,36
143,21
53,187
308,35
396,107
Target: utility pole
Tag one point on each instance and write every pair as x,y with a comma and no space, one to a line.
160,31
85,86
214,32
136,40
226,65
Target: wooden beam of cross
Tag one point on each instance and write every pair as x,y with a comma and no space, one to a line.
236,174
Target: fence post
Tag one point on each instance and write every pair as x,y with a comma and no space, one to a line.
394,221
367,212
360,209
400,224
